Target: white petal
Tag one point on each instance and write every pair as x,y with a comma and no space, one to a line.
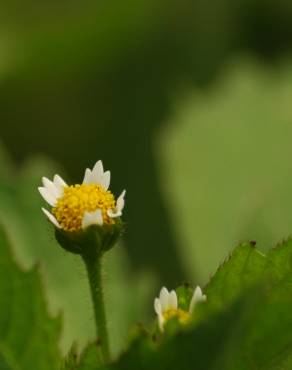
48,196
51,218
46,181
87,176
172,300
160,322
51,187
98,168
121,201
92,218
113,214
59,183
163,296
119,206
157,306
96,173
105,180
198,296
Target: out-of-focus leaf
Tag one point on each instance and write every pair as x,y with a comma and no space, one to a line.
98,33
28,336
225,163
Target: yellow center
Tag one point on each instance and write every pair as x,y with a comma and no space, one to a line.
182,316
78,199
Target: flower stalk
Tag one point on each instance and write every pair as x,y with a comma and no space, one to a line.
93,266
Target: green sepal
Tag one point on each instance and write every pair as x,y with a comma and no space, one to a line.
184,296
172,326
91,242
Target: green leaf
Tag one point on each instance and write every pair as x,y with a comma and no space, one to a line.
250,328
28,335
254,333
224,163
70,361
280,261
241,269
89,358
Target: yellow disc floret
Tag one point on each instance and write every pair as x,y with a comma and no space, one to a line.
182,316
78,199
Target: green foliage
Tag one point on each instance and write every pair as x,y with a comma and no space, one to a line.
28,336
245,324
240,270
82,79
89,358
70,361
184,295
225,166
67,288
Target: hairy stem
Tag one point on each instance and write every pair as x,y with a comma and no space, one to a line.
93,267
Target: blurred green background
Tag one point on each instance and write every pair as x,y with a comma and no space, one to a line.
188,103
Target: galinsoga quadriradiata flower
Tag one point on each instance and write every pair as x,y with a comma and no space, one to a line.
166,306
87,222
76,207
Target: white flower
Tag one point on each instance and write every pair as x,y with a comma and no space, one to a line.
166,306
76,207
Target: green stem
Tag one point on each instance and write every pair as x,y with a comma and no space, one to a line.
93,267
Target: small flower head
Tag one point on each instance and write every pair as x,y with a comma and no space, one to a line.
77,207
166,306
